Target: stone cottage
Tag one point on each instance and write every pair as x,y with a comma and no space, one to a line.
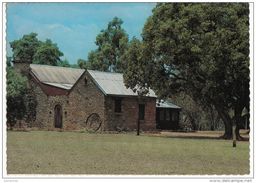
72,99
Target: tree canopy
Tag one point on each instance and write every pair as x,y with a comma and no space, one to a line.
201,49
47,53
16,84
31,50
111,43
21,103
25,48
16,89
81,63
64,63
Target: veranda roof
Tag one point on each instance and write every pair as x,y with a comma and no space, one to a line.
166,104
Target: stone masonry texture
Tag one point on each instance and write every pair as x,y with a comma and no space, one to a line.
84,99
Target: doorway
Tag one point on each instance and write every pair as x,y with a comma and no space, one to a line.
58,116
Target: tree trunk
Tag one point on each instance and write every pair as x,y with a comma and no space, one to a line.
238,119
229,132
238,136
227,123
238,126
228,129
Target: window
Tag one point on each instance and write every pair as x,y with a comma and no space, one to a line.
141,111
175,116
167,115
118,105
161,114
85,81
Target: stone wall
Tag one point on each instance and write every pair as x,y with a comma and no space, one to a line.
22,68
128,118
86,98
83,100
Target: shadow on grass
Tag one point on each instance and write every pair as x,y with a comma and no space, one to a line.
197,135
203,137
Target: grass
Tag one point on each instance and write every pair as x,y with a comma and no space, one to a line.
49,152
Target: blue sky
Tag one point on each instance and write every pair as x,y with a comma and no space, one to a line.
73,26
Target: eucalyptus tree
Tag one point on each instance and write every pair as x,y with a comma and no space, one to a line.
201,49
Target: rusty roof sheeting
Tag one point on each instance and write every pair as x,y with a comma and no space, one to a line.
113,84
61,77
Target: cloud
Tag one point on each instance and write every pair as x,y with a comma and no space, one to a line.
59,26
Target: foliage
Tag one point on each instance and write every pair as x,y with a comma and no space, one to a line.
9,61
25,48
16,89
201,49
74,66
194,116
111,43
31,50
47,53
16,84
64,63
21,102
81,63
136,72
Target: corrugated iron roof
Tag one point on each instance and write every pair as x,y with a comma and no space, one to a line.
166,104
61,77
113,84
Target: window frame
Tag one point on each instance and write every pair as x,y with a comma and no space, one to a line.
175,115
142,117
118,105
168,115
161,115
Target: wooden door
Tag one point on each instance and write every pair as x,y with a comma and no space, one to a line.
58,116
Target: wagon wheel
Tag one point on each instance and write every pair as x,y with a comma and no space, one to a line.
93,122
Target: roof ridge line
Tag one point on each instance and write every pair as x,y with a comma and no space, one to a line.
105,72
56,66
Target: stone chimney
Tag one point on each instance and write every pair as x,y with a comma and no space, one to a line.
21,67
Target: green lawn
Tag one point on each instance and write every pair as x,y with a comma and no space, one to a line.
49,152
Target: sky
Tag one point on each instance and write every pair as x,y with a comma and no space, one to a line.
73,26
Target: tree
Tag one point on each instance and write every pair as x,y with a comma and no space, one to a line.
111,43
25,48
195,116
21,101
47,53
16,89
64,63
81,63
9,61
30,50
136,72
201,49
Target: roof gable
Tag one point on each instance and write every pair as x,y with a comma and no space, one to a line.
113,84
61,77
